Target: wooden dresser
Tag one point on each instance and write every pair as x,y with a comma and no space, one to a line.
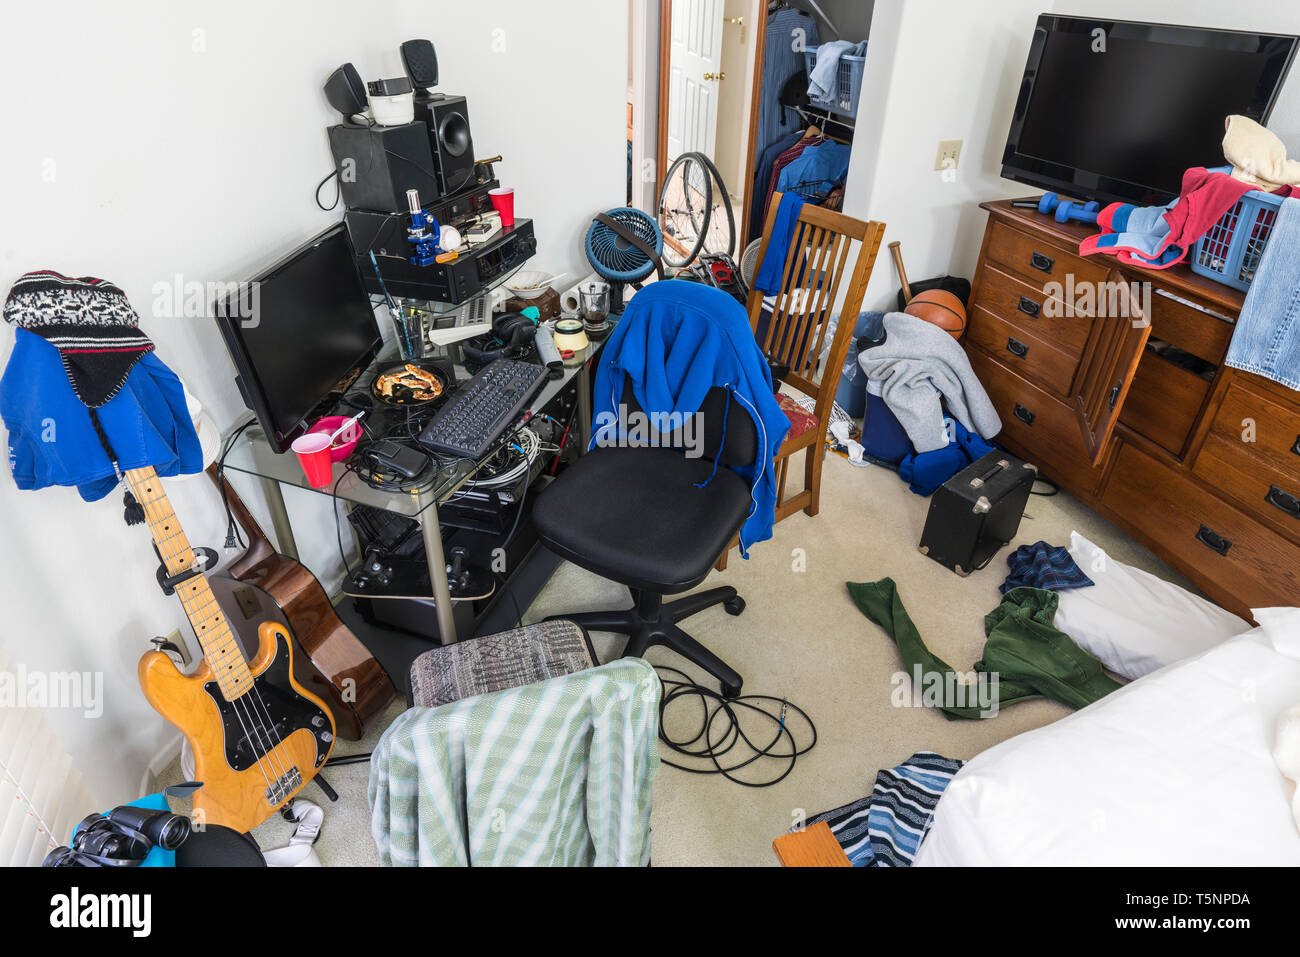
1123,399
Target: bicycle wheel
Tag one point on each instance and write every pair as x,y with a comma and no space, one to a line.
719,238
685,208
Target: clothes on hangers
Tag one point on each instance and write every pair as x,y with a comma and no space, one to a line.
784,160
818,169
763,177
789,33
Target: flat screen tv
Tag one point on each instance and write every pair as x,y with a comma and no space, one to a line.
1116,110
299,334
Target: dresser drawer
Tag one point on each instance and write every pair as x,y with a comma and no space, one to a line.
1231,555
1273,424
1252,455
1027,307
1022,352
1190,329
1164,402
1037,262
1036,426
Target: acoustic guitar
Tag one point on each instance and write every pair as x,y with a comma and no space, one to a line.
257,734
338,667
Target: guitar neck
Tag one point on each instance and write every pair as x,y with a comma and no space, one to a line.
220,649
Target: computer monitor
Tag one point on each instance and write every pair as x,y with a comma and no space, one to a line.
299,334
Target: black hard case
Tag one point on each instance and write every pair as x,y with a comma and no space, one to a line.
977,511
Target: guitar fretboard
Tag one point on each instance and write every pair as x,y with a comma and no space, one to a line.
220,648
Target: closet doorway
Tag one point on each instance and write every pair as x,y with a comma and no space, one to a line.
733,84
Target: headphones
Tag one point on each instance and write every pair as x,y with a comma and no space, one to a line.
512,334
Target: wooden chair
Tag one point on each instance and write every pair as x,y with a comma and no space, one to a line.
795,335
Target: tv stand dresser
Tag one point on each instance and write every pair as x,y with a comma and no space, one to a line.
1120,396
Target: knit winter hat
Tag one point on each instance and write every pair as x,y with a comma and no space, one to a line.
91,323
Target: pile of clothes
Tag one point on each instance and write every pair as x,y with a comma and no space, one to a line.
1266,340
925,412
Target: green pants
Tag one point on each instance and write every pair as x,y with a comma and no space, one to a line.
1030,657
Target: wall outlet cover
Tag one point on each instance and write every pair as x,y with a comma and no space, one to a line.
948,155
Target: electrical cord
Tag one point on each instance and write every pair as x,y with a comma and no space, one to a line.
338,192
233,534
732,734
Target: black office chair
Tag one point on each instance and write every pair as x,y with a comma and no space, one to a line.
636,516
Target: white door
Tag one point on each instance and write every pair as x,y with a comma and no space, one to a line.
695,52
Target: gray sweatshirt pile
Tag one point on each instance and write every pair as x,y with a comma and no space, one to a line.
919,364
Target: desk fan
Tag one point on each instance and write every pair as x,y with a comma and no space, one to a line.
624,246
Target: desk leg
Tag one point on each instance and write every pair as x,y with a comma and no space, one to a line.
432,534
280,518
584,408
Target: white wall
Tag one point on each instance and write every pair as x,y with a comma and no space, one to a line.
187,138
950,69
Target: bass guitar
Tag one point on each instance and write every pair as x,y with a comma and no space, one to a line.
257,734
334,663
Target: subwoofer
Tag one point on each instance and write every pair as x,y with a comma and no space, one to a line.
447,118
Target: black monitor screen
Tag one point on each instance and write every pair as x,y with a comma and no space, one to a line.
311,330
1121,110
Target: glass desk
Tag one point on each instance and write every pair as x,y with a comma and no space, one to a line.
253,455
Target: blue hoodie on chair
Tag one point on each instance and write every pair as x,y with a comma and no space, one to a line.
675,342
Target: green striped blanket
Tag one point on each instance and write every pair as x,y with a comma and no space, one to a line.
560,772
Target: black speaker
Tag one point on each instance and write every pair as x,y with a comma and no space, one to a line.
447,118
421,63
345,91
378,164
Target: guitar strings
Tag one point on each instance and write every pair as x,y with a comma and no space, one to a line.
168,544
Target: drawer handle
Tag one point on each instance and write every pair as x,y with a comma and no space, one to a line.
1114,395
1296,448
1212,539
1041,262
1031,308
1017,348
1283,500
1023,414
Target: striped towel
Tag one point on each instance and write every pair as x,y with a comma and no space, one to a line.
885,829
560,772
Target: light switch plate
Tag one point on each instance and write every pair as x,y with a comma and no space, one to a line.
948,155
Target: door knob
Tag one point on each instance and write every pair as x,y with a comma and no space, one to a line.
715,76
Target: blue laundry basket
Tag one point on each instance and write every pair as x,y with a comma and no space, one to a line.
848,83
1232,248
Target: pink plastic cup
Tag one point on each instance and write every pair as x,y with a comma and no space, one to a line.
313,451
503,201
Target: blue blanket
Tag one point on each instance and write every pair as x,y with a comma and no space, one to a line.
52,440
675,342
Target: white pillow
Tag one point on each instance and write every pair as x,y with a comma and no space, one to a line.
1134,622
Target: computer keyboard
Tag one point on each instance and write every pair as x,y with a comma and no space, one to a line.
480,410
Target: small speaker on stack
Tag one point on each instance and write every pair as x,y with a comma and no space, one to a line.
447,118
378,164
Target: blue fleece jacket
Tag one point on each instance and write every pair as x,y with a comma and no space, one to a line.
52,440
676,341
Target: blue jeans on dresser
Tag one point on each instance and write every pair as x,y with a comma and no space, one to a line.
1266,340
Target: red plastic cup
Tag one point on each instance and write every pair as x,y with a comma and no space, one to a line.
503,201
313,451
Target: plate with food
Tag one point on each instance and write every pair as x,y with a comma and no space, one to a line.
409,383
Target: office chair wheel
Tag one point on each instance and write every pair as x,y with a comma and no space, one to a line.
731,692
734,606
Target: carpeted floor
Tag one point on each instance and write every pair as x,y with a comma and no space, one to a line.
800,638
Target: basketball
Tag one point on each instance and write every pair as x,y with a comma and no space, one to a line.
940,308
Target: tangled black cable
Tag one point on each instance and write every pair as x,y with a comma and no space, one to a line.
675,689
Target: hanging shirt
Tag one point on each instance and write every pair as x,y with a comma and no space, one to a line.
789,33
